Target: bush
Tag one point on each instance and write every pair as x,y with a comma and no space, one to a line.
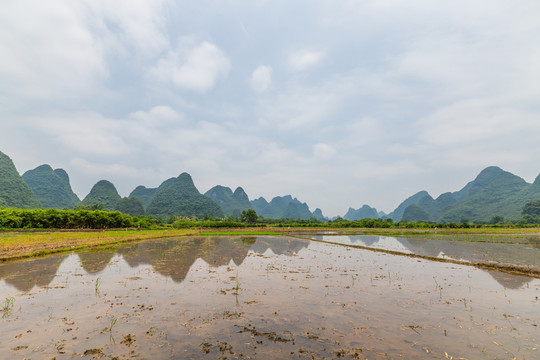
71,219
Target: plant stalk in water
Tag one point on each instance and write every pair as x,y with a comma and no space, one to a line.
7,307
98,284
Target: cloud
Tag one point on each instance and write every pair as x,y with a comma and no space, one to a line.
304,59
367,131
475,120
323,151
91,168
261,78
88,133
136,24
47,51
158,116
65,50
298,107
194,67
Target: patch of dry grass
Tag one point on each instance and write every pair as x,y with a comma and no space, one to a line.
14,244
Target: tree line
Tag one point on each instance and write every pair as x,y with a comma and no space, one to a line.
71,219
95,218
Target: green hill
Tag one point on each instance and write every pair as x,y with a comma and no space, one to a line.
431,208
504,195
494,192
147,194
231,203
259,205
365,212
281,207
144,194
132,206
415,212
397,214
103,192
484,178
14,192
318,214
179,196
51,187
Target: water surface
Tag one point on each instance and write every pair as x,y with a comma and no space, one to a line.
262,298
525,255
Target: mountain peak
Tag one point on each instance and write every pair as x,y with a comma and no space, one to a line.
365,211
239,193
44,167
103,192
51,187
62,174
14,192
185,177
489,173
180,197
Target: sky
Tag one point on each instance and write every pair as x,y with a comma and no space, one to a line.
339,103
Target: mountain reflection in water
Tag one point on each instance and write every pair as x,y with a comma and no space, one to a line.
525,255
172,257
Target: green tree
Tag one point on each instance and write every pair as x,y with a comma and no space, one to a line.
249,216
131,206
532,208
497,219
90,207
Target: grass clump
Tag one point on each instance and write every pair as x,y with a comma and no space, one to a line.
7,307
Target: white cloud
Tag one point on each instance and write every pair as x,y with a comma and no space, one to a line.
261,78
139,24
475,120
91,168
365,131
323,151
88,133
192,67
63,50
304,59
299,106
158,116
47,51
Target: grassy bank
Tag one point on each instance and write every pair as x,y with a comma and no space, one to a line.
20,244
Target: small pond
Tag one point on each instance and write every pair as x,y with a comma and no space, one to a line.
261,298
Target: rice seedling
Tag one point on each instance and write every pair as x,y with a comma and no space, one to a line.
237,288
98,284
113,322
111,337
7,307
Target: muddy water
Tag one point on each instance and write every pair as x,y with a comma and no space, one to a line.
262,298
524,255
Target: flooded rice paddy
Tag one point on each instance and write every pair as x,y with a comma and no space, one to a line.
526,255
264,298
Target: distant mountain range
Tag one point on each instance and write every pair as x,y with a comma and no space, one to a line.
493,193
284,207
364,212
232,203
179,196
